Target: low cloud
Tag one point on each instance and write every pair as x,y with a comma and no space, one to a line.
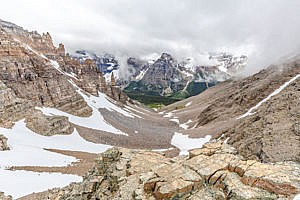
265,30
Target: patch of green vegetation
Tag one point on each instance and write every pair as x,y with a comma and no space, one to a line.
195,88
180,95
151,97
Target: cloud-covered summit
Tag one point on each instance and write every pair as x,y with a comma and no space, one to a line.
264,30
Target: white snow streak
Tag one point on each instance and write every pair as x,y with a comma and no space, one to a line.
250,111
168,115
185,125
188,104
175,120
141,74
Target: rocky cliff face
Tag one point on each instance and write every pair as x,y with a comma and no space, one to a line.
213,172
164,74
235,97
33,72
40,43
273,132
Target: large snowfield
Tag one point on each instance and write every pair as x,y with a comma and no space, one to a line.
27,149
185,143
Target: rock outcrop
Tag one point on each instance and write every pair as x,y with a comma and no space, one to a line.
3,143
34,78
49,125
272,133
3,197
12,108
213,172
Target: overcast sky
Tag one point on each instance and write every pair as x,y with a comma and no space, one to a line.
265,30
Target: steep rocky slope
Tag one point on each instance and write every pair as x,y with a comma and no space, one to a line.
33,72
270,134
213,172
166,80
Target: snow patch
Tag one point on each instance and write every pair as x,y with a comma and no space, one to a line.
135,110
27,147
184,143
21,183
188,104
222,68
56,66
141,74
185,125
226,140
175,120
159,150
297,197
168,115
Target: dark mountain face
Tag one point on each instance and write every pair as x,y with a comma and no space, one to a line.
163,76
165,80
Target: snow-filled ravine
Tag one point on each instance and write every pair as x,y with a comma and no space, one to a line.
184,143
96,120
28,149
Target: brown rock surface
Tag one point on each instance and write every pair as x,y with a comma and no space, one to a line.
220,174
49,125
3,143
33,78
272,133
269,135
12,108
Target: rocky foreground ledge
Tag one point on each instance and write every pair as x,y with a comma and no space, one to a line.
215,171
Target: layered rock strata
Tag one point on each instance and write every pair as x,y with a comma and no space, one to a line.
213,172
35,73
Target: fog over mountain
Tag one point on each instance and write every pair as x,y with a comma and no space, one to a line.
262,30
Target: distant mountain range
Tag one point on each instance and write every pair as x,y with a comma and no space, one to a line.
165,80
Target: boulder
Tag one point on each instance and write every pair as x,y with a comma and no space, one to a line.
3,143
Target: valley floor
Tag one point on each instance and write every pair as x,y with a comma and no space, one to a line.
39,163
34,159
